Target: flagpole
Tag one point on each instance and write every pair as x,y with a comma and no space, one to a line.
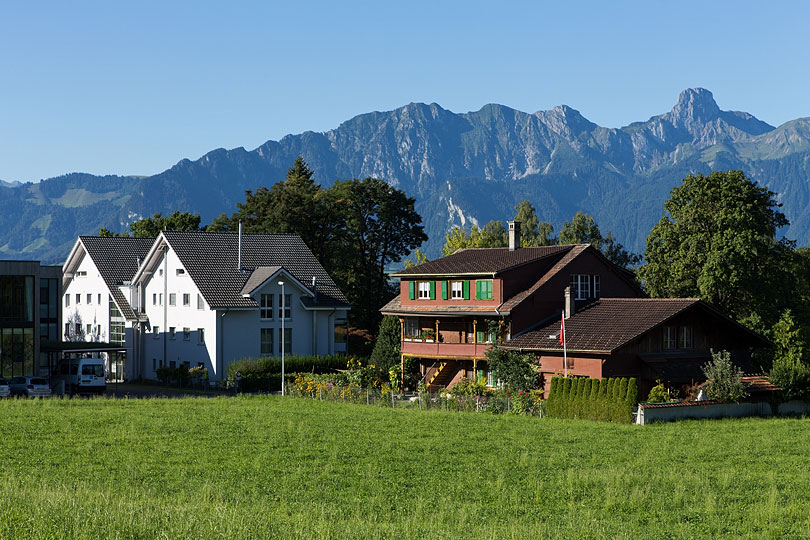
565,345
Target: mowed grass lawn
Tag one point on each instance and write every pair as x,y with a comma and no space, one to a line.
263,467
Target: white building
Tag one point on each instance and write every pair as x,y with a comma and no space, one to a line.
189,301
96,292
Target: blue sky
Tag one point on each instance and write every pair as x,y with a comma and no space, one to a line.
132,88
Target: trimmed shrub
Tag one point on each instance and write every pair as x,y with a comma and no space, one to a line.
610,399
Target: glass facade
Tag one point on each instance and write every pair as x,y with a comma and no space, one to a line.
17,325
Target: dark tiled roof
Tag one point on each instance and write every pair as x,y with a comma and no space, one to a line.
395,307
482,261
117,261
211,259
604,325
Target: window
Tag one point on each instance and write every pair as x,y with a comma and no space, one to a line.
81,273
425,288
67,329
160,299
412,327
456,289
99,299
581,286
179,272
287,340
67,300
340,331
78,299
483,289
200,335
114,312
89,329
200,302
155,331
186,334
78,329
186,299
117,333
160,272
285,302
154,299
670,337
685,337
89,298
171,332
172,299
266,304
266,341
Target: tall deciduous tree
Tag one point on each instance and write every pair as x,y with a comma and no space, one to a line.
532,231
717,241
381,226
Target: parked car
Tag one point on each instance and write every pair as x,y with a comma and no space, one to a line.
30,387
5,391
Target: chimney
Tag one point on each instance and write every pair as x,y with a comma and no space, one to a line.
569,302
514,235
239,256
315,287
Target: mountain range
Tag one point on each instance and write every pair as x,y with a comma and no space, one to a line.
462,169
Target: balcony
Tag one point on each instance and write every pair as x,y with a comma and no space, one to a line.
418,347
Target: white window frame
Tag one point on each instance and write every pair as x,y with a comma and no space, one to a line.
581,286
200,302
670,338
266,306
457,290
186,299
156,332
423,290
201,336
287,307
172,332
172,299
186,333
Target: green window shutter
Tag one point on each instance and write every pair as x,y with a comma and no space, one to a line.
466,289
479,337
477,289
433,290
444,290
412,290
489,289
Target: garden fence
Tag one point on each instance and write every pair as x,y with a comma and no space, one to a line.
493,404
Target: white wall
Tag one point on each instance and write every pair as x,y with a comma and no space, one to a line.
165,281
94,312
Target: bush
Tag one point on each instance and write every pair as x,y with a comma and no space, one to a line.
518,371
386,353
724,378
658,394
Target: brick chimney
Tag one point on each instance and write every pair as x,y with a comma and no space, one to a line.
570,304
514,235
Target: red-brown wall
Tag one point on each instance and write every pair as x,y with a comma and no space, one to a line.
497,294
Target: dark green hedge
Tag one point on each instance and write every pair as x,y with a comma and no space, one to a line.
610,399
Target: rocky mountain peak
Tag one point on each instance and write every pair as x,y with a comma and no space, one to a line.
695,105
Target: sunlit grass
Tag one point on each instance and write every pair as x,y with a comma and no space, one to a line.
263,467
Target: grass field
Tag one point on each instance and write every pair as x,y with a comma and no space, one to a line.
263,467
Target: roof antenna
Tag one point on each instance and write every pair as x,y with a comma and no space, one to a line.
239,261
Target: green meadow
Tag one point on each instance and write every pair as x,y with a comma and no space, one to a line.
267,467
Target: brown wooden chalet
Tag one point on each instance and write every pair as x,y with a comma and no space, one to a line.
451,310
667,339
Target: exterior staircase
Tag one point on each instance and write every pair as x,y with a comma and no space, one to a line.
439,379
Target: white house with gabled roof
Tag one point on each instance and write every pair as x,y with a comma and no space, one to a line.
96,279
207,299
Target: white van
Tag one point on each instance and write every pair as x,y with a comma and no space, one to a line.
83,375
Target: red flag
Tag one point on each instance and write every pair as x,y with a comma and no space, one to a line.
562,330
